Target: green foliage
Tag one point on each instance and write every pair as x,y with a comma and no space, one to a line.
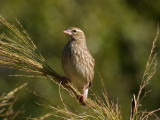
119,34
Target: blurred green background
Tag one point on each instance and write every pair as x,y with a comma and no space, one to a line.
119,36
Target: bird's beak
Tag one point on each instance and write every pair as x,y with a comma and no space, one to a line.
67,32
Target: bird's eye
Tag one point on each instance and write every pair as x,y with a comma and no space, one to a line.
74,31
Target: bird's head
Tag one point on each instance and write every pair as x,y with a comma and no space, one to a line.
75,34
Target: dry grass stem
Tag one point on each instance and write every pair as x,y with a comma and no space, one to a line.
18,51
6,104
149,72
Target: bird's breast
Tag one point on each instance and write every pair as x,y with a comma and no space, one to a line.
78,64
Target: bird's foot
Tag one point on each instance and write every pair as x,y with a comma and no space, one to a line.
81,100
64,80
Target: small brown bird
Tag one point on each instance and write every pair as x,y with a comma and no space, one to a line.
77,62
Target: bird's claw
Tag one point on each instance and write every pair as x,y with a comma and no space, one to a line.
81,100
64,80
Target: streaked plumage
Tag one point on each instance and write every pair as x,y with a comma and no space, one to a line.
77,61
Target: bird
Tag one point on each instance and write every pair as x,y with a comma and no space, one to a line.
77,62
